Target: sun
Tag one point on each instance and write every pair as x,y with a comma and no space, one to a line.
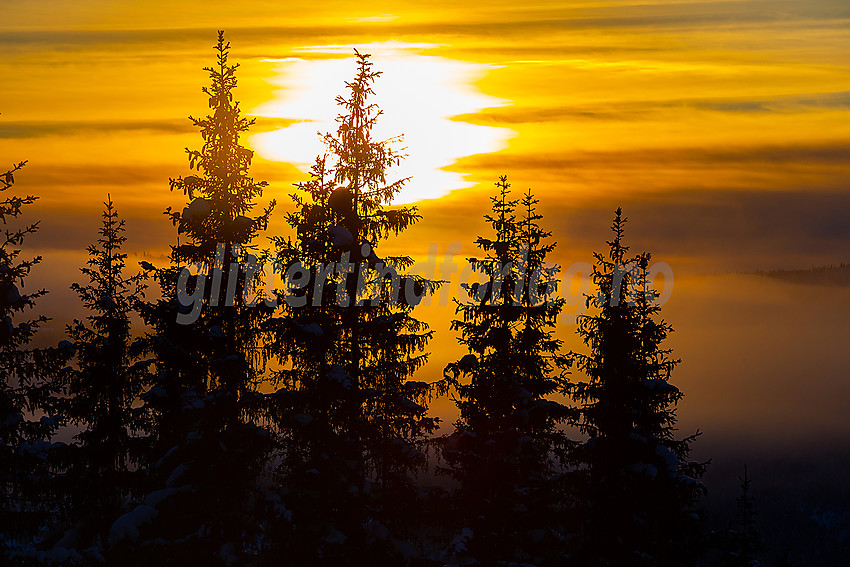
419,95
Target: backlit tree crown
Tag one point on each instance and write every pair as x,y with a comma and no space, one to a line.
225,192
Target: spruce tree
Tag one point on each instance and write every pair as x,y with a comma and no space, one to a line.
103,388
635,487
505,448
28,413
743,541
205,406
353,426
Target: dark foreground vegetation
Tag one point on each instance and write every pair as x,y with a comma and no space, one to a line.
181,456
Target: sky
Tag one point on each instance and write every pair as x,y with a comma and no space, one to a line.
720,127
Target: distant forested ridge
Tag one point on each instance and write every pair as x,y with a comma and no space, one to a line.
816,275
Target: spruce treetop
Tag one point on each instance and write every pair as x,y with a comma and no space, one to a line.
225,191
109,291
13,269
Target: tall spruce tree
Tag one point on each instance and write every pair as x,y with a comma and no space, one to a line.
635,487
210,448
28,416
505,448
103,389
353,425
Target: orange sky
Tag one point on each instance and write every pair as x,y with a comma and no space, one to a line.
721,127
675,110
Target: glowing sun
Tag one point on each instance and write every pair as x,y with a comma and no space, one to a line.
419,96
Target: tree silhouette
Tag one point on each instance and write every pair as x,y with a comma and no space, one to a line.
205,403
27,498
104,387
743,541
353,425
635,487
503,449
249,427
